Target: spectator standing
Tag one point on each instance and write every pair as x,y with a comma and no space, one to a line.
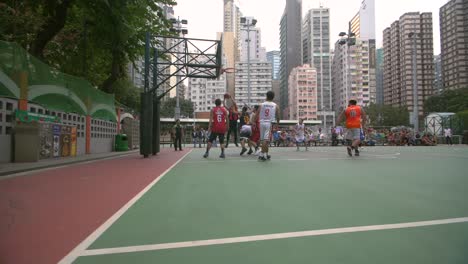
448,135
178,132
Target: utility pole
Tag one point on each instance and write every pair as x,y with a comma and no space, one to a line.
248,64
246,22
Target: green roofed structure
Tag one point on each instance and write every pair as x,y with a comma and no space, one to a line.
23,76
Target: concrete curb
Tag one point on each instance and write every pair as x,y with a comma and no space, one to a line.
64,163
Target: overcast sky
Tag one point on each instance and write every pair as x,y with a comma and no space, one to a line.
205,17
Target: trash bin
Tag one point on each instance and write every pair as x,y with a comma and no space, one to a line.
26,142
121,142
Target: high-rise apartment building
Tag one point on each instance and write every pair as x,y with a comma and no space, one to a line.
290,46
411,28
316,52
379,77
273,57
352,76
303,101
354,63
260,82
135,73
454,44
203,92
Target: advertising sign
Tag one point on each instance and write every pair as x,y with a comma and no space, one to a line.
65,141
56,129
73,141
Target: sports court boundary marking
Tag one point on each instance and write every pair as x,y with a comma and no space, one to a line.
81,248
231,240
254,159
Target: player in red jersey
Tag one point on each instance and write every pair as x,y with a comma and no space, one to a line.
218,126
255,122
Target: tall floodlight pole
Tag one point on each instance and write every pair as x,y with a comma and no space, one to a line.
247,27
248,64
350,40
414,36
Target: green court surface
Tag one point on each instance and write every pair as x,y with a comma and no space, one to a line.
267,212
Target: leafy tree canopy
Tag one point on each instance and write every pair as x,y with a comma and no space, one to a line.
94,39
448,101
168,106
386,115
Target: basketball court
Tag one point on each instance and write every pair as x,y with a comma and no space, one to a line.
390,205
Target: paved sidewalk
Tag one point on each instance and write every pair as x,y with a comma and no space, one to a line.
45,215
12,168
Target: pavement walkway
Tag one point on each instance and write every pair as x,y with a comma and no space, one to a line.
13,168
47,213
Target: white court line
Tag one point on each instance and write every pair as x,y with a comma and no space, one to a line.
363,157
78,250
243,239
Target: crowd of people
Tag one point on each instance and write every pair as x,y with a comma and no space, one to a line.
245,127
315,136
403,137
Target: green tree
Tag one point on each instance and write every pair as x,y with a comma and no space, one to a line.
386,115
448,101
94,39
168,106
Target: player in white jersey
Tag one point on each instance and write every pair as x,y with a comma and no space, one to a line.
245,134
269,112
300,137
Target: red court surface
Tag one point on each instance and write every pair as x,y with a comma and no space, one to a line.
45,214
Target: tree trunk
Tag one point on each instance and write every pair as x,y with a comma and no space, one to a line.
116,72
54,24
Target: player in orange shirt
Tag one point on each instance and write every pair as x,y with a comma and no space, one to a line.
355,118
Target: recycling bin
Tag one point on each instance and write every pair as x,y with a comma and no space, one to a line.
121,142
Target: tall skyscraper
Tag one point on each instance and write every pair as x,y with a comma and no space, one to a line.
290,46
398,60
454,44
354,62
316,52
231,40
230,18
363,23
303,101
273,57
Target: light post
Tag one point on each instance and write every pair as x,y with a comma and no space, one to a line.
247,23
179,29
414,37
350,40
